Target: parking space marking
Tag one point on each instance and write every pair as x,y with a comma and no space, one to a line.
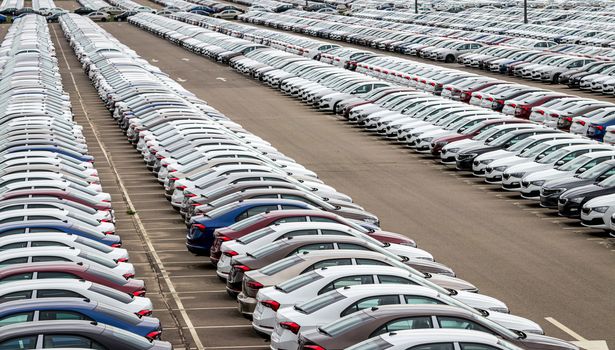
137,220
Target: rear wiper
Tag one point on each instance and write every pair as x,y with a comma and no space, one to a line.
324,332
250,255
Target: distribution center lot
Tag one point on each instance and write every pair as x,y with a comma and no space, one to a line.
546,268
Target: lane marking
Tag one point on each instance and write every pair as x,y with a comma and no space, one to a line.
220,78
137,219
567,330
186,59
181,80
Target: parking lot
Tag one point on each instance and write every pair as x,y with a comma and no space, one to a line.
547,268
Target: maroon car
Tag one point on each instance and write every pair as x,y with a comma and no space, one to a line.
466,94
438,143
259,221
71,270
523,108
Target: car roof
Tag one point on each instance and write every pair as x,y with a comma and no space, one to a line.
367,289
416,309
421,336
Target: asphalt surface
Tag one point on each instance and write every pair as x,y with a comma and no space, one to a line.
541,265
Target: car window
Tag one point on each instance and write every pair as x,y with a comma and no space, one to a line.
419,322
374,344
434,346
290,219
321,219
254,211
48,244
389,279
17,318
352,246
371,302
371,262
18,277
310,247
43,275
334,233
347,281
19,343
330,262
48,258
70,341
460,323
22,294
57,293
61,315
419,299
13,261
290,207
476,346
298,233
14,245
11,219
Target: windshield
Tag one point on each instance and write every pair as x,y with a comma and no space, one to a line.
258,234
298,282
485,135
595,171
574,164
551,158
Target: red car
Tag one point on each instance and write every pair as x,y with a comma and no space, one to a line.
438,143
79,271
259,221
523,109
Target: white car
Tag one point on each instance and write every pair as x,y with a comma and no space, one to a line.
312,284
343,301
53,253
70,288
60,239
55,214
609,135
532,183
435,339
597,212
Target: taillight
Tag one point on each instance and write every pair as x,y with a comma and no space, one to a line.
153,335
200,226
128,275
478,96
144,312
291,326
313,347
106,201
231,253
108,232
243,268
190,195
568,119
224,238
255,285
181,188
122,260
582,122
513,105
174,178
600,127
272,304
139,293
116,245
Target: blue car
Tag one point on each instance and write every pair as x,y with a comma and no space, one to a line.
52,309
25,227
201,232
597,128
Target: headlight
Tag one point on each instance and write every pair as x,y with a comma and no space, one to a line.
452,150
466,155
538,183
486,161
372,221
500,309
519,175
500,168
600,209
427,139
576,199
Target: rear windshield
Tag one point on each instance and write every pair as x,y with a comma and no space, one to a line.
281,265
298,282
318,303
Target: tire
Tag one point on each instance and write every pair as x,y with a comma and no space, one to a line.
449,59
103,19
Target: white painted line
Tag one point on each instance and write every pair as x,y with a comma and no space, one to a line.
148,242
186,59
238,347
181,80
202,308
221,79
567,330
194,276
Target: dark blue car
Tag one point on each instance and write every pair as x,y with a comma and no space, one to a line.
201,232
52,309
597,128
24,227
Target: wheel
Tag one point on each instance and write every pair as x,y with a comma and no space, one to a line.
103,19
449,59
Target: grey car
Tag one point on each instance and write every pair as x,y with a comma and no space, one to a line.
375,321
74,334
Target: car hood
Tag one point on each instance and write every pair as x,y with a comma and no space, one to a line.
582,191
567,182
528,168
453,283
410,252
498,154
606,200
515,322
546,175
544,342
480,301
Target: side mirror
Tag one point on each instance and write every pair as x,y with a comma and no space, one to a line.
581,170
560,162
540,156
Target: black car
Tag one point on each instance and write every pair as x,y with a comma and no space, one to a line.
551,190
571,201
124,15
574,80
500,140
83,11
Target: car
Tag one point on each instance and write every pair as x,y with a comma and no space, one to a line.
341,302
69,270
428,338
372,322
50,309
99,16
227,14
68,288
74,334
